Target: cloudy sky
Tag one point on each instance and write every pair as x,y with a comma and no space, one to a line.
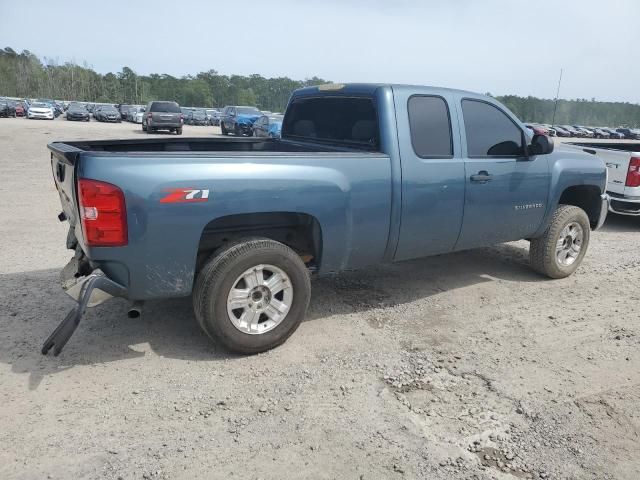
497,46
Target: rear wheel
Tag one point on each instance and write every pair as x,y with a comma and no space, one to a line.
561,248
179,131
252,295
237,131
223,129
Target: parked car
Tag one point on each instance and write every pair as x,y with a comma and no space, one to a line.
241,224
163,115
137,115
585,132
7,108
268,126
613,134
123,109
77,111
629,133
239,120
623,164
600,133
561,132
41,110
20,110
574,132
197,117
538,129
108,113
215,116
131,113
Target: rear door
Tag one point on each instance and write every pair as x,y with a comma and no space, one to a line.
432,174
506,192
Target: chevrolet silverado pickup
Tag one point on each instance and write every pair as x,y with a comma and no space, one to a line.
362,174
622,160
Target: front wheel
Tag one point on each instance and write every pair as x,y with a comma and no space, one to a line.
252,295
561,248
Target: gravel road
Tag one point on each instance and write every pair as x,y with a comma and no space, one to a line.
461,366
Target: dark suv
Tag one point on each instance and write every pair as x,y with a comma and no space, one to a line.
239,120
163,116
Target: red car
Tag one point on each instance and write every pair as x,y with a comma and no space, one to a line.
20,111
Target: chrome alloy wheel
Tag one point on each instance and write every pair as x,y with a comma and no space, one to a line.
259,299
569,244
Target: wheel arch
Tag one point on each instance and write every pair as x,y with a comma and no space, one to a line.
586,197
299,231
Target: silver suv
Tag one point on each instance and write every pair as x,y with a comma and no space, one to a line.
163,116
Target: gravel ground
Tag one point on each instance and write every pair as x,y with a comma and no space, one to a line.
461,366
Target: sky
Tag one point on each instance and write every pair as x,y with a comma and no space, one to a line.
496,46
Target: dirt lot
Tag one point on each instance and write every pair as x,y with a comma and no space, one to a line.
462,366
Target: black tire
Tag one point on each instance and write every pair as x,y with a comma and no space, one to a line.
179,131
223,129
220,274
542,251
144,127
236,131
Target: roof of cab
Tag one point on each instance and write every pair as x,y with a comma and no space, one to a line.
370,88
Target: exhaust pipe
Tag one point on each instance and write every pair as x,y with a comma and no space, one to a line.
135,309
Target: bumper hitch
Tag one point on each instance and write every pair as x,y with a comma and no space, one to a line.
88,291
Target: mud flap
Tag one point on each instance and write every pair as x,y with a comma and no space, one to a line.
93,290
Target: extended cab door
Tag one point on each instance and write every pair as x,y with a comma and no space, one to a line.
432,173
506,192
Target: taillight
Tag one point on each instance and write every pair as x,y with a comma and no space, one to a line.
103,214
149,115
182,117
633,175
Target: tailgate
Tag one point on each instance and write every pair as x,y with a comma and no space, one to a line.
63,164
617,163
166,117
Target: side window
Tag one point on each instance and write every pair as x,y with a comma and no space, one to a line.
490,132
430,127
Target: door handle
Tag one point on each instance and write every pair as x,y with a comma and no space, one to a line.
481,177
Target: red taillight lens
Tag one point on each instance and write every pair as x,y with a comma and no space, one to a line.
633,175
149,115
103,214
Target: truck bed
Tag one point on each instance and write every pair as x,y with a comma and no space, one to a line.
201,145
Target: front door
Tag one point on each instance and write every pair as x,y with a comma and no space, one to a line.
506,192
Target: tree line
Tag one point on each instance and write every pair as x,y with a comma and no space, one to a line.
25,75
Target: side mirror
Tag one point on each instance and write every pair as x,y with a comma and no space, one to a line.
540,145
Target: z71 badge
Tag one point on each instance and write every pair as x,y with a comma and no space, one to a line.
185,195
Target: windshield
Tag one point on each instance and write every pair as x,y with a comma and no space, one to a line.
40,105
248,111
76,106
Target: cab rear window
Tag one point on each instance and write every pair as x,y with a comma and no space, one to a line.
343,120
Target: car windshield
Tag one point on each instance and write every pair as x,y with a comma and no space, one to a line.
109,110
248,111
199,114
40,105
276,118
76,106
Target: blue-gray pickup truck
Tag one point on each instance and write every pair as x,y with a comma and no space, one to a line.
363,174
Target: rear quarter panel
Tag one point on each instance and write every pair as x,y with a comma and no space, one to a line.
348,194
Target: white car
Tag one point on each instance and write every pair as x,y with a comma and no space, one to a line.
137,115
41,110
